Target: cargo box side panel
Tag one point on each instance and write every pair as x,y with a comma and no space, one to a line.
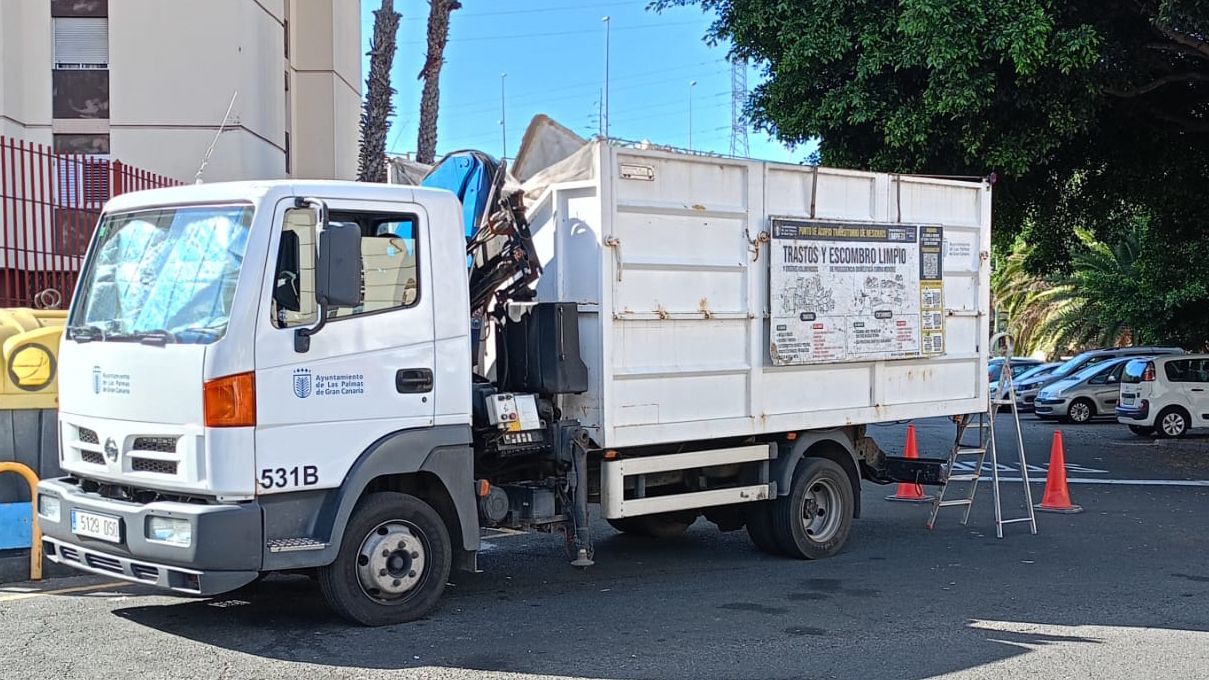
682,324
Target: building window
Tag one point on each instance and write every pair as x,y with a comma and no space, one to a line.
80,80
81,43
82,170
79,8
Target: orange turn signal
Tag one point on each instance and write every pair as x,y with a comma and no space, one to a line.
610,455
231,401
484,488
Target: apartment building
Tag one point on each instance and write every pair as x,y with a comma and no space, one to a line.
149,81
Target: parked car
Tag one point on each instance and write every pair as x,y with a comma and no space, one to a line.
1165,395
1019,366
1078,398
1028,389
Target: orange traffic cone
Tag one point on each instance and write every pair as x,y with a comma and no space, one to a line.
908,492
1057,495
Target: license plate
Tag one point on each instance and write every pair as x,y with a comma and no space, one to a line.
1127,398
92,525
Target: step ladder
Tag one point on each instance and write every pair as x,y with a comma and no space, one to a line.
1004,394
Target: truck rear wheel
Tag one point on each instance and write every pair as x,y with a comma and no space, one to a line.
393,562
658,525
813,521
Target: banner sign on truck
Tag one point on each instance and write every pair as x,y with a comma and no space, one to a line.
855,291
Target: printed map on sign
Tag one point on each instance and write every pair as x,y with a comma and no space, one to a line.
855,292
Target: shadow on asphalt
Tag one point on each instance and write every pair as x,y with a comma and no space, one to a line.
899,602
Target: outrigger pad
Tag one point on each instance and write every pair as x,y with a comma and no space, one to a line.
927,471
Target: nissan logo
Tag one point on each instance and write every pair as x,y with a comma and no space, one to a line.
111,450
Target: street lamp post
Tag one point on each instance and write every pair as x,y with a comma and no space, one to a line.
503,120
604,118
692,84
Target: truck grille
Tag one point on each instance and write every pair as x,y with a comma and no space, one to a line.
87,436
157,444
160,467
92,457
104,563
145,572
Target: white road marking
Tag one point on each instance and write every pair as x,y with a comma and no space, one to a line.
64,591
1122,482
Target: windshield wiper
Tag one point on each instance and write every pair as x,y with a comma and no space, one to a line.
84,333
158,337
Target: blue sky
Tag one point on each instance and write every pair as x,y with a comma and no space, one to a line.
553,54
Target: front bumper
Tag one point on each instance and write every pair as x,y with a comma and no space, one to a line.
224,553
1051,407
1025,399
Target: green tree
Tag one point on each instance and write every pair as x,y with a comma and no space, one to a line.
1094,114
377,109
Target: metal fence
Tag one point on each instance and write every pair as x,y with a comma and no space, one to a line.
49,204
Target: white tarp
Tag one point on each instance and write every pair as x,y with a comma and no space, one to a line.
854,292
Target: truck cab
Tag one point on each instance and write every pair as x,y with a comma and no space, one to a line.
219,420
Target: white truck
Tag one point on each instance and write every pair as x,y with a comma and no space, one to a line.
333,378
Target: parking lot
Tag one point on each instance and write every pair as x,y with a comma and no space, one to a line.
1117,591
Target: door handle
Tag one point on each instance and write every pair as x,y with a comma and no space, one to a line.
1197,389
413,380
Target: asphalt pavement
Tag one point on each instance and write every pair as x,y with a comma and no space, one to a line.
1117,591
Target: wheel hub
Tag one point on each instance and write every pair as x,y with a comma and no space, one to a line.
391,561
820,512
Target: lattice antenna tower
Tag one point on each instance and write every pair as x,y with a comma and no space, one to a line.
738,97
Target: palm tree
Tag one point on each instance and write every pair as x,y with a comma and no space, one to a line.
438,34
1089,306
375,116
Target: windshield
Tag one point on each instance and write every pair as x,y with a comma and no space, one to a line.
166,274
1092,370
1036,371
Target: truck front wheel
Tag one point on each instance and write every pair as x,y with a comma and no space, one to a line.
813,521
393,562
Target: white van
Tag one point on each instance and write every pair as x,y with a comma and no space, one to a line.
1166,394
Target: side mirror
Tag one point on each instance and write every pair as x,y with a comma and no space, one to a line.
337,269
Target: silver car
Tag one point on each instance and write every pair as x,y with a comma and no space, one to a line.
1093,391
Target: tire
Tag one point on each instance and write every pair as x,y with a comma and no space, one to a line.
759,528
659,525
1141,430
1081,411
1172,422
389,532
822,489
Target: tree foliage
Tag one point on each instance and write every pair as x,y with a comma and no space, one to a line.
377,108
1094,114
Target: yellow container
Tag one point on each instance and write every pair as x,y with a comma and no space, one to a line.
29,357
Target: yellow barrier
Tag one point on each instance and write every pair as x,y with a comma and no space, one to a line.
35,549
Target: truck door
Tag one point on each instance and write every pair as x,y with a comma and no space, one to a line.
367,373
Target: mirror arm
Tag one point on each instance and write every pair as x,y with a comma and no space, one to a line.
302,336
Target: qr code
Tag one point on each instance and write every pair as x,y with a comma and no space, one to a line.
931,266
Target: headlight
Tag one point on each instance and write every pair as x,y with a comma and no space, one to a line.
169,530
49,507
